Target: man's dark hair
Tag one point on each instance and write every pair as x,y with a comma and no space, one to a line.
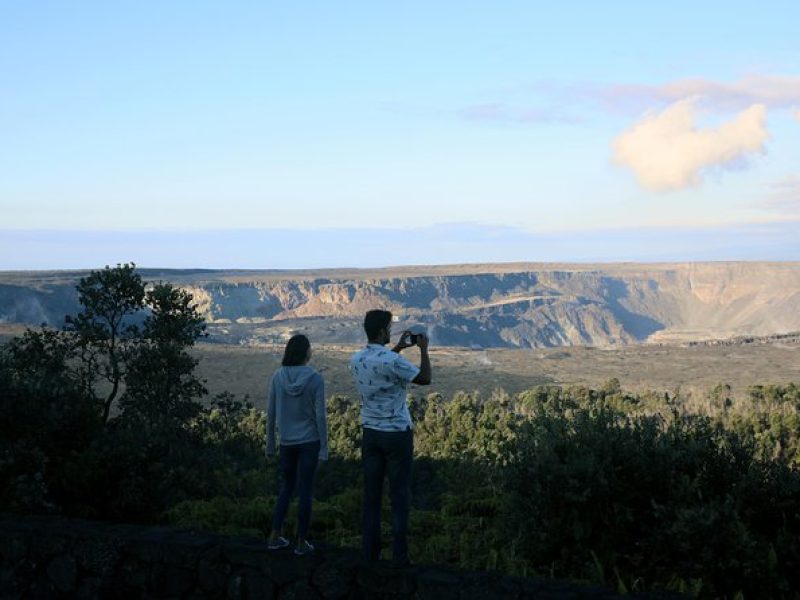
375,320
296,351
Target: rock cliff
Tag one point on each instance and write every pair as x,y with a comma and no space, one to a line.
524,305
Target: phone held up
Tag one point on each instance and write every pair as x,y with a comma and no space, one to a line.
414,332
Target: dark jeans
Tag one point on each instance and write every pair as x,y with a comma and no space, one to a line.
385,452
297,464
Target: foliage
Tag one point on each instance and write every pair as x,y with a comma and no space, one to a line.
104,417
105,329
598,485
160,381
650,502
46,416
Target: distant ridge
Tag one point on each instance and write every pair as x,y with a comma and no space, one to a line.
26,276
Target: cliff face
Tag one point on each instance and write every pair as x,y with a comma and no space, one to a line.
529,307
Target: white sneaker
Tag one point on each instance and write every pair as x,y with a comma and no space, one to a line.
304,548
277,544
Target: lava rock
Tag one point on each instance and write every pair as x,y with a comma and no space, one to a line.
63,572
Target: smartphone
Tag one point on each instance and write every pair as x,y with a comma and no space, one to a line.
414,333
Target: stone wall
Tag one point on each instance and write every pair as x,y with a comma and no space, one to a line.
52,557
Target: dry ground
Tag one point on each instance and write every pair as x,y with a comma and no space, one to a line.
695,370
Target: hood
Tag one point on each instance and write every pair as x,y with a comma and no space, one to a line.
295,379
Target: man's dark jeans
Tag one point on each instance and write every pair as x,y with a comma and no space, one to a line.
385,452
297,464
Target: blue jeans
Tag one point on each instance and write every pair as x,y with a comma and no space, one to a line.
385,452
297,464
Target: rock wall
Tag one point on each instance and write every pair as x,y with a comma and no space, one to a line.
52,557
491,307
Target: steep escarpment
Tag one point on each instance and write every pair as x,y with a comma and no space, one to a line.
34,305
502,305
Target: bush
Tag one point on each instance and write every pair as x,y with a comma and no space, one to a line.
683,504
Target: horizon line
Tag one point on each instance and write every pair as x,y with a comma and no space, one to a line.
421,266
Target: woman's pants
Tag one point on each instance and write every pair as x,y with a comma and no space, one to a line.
297,464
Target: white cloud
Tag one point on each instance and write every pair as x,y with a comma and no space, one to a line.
797,115
667,150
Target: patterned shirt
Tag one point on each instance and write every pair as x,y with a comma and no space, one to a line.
382,377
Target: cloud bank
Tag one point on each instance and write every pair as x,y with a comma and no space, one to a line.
779,92
775,91
667,151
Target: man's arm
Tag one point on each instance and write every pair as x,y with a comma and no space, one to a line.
424,375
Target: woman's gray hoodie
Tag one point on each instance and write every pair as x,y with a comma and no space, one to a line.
297,402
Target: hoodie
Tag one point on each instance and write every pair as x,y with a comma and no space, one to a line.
296,402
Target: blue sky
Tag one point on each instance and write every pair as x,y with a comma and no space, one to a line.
573,120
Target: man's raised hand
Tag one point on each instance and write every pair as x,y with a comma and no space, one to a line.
404,341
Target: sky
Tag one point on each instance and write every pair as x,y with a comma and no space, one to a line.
307,135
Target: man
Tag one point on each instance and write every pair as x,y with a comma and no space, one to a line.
387,447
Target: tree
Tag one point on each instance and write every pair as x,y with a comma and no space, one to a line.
106,328
102,418
46,416
131,344
160,381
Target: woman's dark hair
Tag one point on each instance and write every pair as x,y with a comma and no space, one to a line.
296,351
374,321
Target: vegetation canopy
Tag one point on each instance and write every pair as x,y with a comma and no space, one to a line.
107,419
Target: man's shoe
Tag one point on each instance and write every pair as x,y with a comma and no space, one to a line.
277,543
304,548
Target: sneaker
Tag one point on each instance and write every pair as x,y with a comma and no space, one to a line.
277,544
304,548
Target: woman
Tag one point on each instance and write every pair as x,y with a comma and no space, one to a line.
297,403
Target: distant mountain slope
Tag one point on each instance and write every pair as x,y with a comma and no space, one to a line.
518,305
